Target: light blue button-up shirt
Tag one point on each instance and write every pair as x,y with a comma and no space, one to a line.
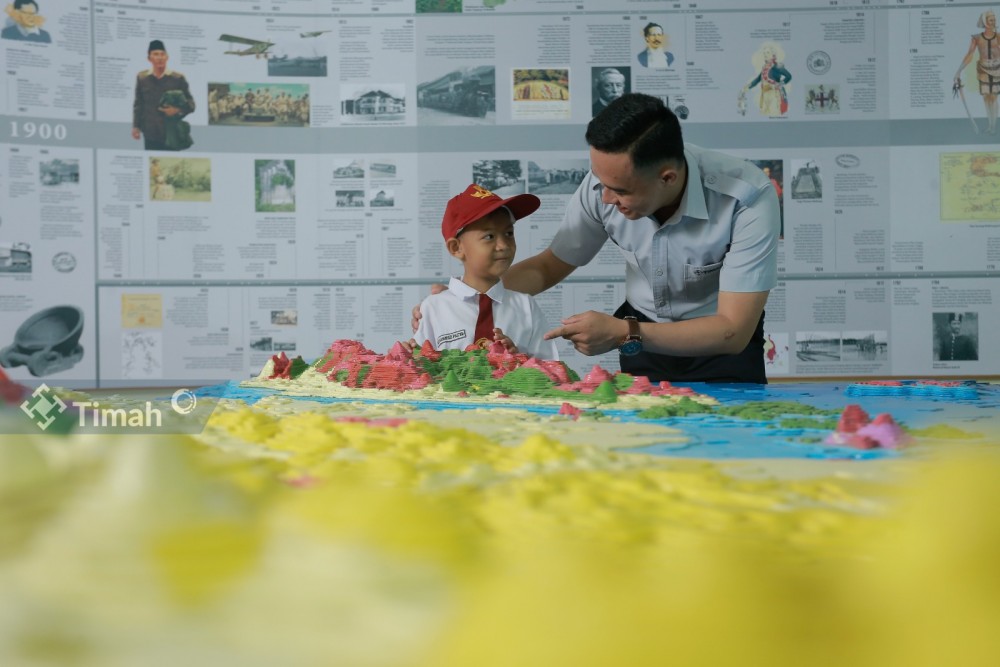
724,236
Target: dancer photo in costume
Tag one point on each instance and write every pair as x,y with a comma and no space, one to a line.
987,69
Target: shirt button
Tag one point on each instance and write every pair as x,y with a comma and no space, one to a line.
710,178
659,272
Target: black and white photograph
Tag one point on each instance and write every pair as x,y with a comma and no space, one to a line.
286,318
807,181
864,346
503,177
344,168
817,346
349,198
555,177
373,104
57,172
382,198
15,257
955,335
462,96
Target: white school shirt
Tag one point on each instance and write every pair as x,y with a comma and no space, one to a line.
448,319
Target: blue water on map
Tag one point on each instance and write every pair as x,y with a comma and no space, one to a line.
717,437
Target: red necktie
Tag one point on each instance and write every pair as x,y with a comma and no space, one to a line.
484,323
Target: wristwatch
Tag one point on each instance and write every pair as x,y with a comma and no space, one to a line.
632,345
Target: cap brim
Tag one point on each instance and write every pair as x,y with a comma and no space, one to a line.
521,205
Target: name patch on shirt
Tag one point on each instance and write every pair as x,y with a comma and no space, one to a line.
448,337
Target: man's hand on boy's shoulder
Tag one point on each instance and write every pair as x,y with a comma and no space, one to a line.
415,314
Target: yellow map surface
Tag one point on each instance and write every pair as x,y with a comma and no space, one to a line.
969,186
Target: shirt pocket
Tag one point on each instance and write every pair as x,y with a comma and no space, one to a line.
701,283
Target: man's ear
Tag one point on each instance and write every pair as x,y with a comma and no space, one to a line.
669,174
455,248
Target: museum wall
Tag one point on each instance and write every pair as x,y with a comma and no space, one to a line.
295,197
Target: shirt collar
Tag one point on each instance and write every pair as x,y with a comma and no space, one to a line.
693,203
466,293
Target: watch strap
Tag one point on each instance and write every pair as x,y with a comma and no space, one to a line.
633,328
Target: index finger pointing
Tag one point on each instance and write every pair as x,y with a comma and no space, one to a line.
558,332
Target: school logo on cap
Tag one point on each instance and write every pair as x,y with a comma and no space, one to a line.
479,192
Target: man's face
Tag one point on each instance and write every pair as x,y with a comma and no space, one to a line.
655,39
486,247
158,58
956,326
635,193
27,16
612,86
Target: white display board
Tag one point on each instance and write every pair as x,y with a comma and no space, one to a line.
329,134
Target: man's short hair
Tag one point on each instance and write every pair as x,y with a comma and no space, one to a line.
21,3
650,26
640,125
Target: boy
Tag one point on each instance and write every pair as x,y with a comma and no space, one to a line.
478,229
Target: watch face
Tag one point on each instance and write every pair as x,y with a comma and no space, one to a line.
631,348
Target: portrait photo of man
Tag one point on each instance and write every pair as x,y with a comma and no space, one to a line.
162,99
655,55
609,83
957,335
25,23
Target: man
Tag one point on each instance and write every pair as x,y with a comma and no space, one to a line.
987,67
609,86
699,234
955,346
27,24
162,99
655,56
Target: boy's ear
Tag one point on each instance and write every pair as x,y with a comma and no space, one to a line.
455,248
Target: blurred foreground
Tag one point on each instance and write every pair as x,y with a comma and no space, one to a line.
290,536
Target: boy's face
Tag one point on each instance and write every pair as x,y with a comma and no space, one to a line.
486,247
